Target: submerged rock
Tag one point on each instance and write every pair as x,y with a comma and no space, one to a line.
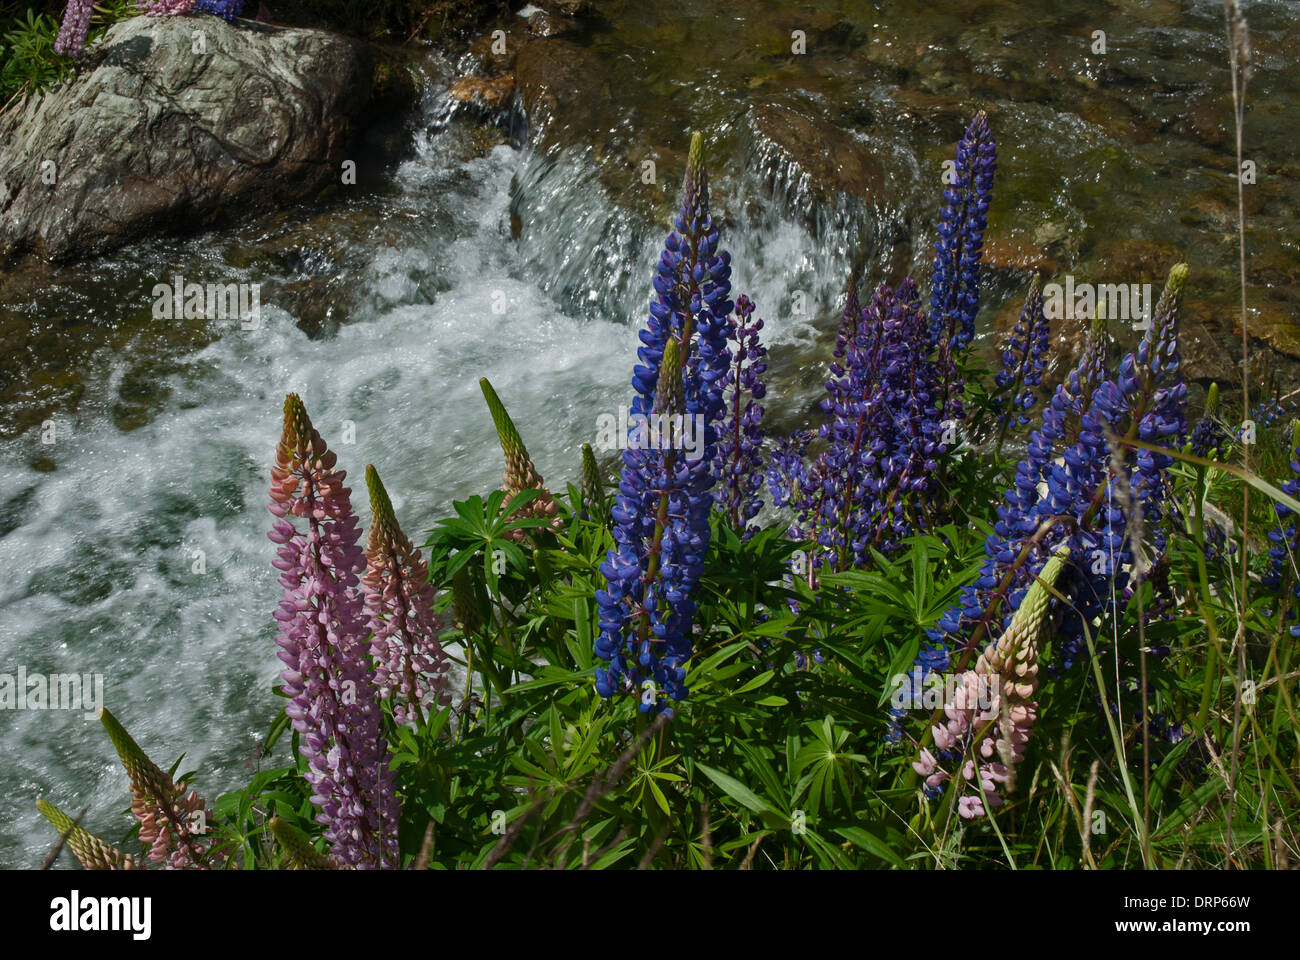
176,122
831,160
560,84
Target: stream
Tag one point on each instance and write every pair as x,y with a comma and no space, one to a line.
528,260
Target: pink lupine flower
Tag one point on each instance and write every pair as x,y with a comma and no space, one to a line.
74,28
988,717
323,641
400,603
166,8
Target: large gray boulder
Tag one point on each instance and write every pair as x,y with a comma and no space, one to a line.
154,135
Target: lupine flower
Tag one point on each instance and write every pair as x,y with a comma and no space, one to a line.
1023,360
1271,411
299,854
661,516
986,606
323,630
739,460
1284,554
92,852
954,294
172,821
987,723
1208,436
75,27
399,599
520,473
166,8
692,283
227,10
868,488
1079,484
661,527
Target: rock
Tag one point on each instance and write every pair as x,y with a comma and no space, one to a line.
489,93
558,80
1015,253
572,8
542,24
1208,117
831,160
152,135
1276,326
1207,356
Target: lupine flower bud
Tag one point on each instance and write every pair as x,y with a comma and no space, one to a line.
1209,437
299,854
93,852
520,473
593,487
400,603
171,819
464,604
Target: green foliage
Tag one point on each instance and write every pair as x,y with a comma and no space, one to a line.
28,63
779,759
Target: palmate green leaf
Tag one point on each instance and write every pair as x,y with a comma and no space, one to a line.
1192,804
756,682
864,839
746,797
777,794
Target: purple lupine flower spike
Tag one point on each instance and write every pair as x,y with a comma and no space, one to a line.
1023,360
954,297
75,27
739,460
166,8
869,488
661,516
323,632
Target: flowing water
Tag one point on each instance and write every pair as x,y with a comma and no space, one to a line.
134,545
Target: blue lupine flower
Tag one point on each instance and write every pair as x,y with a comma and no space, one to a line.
1023,360
1271,411
739,461
954,294
661,516
227,10
1078,484
1284,554
868,488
